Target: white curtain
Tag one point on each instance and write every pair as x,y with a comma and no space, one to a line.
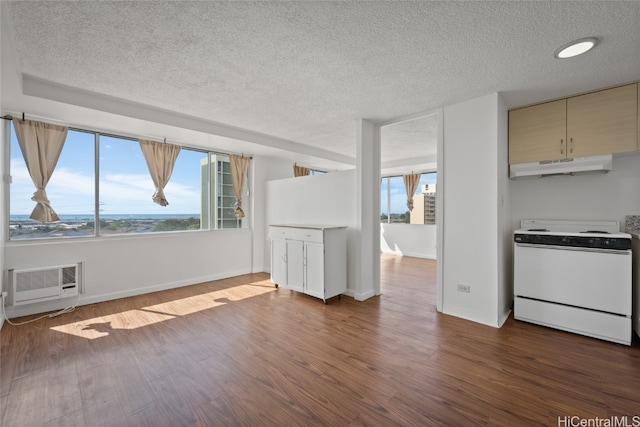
160,157
41,145
300,171
410,184
239,166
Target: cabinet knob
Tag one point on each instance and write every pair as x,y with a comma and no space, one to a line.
571,145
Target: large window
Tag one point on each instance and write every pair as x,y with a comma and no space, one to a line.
393,200
71,191
126,189
118,195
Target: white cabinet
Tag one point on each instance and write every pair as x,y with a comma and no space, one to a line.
310,259
294,257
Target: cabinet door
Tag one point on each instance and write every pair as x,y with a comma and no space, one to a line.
538,132
314,269
279,262
603,122
295,265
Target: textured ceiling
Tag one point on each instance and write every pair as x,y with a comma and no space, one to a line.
304,71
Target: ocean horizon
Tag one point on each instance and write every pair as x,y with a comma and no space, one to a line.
90,217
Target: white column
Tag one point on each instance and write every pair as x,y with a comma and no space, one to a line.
367,210
475,248
3,186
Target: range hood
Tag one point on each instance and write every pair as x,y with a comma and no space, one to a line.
601,163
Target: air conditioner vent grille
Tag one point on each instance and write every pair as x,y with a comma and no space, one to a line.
39,279
44,284
68,275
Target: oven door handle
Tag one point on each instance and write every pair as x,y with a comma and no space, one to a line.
576,248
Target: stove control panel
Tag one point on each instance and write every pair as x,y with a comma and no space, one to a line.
616,243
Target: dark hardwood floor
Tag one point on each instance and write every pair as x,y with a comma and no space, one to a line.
240,352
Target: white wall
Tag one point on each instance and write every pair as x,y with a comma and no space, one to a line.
473,197
2,188
367,208
318,199
505,236
264,169
120,266
409,240
597,196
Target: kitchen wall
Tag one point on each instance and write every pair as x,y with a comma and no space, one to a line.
317,199
595,196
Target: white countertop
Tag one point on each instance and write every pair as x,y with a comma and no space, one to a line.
309,226
632,225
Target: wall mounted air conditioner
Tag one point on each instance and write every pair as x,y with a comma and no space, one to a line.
45,284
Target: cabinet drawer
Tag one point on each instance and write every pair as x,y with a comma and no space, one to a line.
293,233
308,235
280,233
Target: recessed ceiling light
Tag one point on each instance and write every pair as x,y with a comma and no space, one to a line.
575,48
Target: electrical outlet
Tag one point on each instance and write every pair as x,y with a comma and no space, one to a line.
464,288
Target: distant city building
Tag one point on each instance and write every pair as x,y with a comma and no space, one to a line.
424,206
222,193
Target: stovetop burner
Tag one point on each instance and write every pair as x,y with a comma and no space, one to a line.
538,229
596,232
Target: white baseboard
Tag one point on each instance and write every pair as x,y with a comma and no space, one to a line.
471,316
27,310
364,295
350,293
503,318
411,254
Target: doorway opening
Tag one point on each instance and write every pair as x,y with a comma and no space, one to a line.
411,212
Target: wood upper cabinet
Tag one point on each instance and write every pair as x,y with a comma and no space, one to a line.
538,132
603,122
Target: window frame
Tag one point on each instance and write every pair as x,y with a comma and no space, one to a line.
388,197
244,223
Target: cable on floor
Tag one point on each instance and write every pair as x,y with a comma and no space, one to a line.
50,315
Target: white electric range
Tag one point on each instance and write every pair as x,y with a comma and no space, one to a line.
574,276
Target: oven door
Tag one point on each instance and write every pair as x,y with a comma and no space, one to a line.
596,279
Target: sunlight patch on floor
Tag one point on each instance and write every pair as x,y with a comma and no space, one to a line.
193,304
102,326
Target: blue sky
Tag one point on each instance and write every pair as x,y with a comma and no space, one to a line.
125,184
398,194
